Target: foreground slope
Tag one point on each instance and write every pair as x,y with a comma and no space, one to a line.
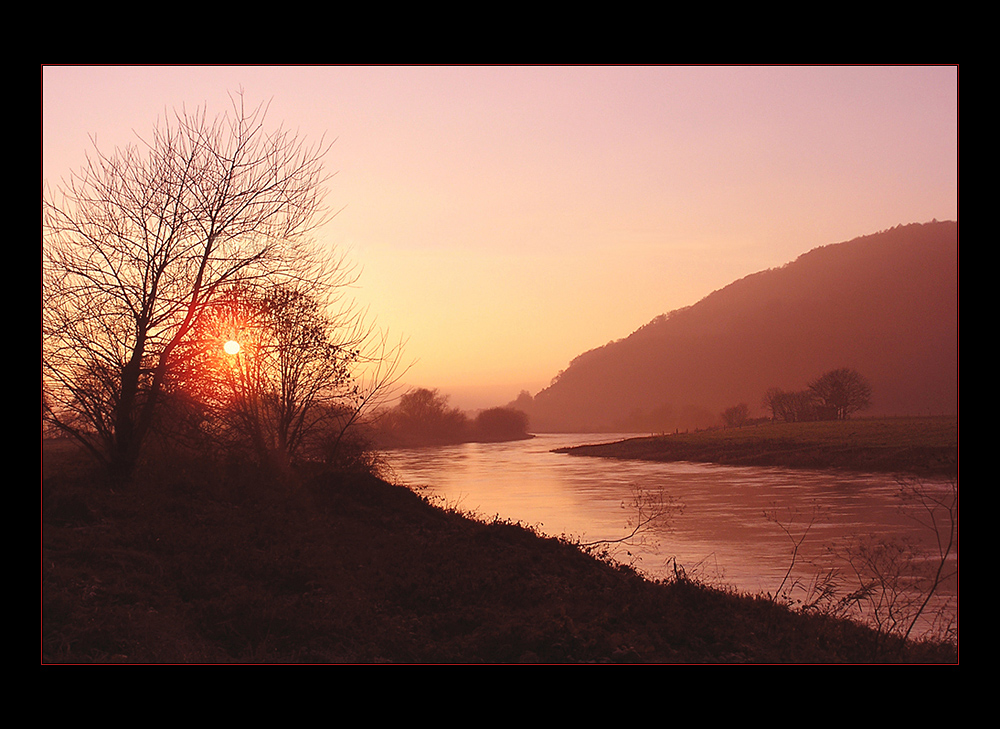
885,305
189,569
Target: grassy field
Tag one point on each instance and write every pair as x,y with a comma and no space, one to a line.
192,565
919,446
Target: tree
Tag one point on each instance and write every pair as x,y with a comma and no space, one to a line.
791,407
423,417
773,401
501,424
286,385
141,242
841,393
275,373
736,416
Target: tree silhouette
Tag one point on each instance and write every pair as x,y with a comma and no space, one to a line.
736,416
141,242
500,424
840,393
423,417
791,407
288,390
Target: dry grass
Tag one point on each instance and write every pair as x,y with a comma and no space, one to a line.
351,569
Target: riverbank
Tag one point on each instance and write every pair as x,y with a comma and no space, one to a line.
911,446
194,566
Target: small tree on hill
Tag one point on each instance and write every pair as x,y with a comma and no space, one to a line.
791,407
736,416
840,393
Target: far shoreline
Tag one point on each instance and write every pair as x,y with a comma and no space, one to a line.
911,446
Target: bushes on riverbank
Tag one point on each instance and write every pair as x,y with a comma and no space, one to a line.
423,418
349,568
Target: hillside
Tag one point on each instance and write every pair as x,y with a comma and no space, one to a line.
884,304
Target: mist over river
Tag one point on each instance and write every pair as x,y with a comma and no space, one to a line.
719,531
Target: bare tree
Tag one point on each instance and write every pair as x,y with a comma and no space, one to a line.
275,372
774,400
840,393
736,416
138,244
791,407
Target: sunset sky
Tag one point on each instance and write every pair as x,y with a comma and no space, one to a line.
507,219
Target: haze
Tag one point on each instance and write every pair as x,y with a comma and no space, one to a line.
507,219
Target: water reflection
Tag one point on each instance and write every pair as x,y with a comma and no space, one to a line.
722,534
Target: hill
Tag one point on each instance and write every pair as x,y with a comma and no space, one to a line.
884,304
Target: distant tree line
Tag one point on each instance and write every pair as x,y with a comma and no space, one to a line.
835,395
423,417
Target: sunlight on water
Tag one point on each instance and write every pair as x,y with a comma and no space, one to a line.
722,534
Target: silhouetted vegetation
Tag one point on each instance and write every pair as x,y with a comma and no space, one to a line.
840,393
186,305
423,418
891,584
736,416
790,407
500,424
835,395
209,564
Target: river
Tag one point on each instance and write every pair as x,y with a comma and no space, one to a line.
729,526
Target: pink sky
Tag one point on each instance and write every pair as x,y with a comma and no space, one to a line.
508,219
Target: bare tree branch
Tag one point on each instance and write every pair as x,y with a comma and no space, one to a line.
142,240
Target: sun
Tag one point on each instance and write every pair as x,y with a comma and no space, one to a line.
232,347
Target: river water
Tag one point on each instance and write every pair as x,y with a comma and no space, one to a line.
728,526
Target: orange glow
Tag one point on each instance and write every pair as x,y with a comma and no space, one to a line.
232,347
502,234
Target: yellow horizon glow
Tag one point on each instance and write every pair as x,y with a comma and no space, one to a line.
507,219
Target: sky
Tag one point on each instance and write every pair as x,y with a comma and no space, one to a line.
505,219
